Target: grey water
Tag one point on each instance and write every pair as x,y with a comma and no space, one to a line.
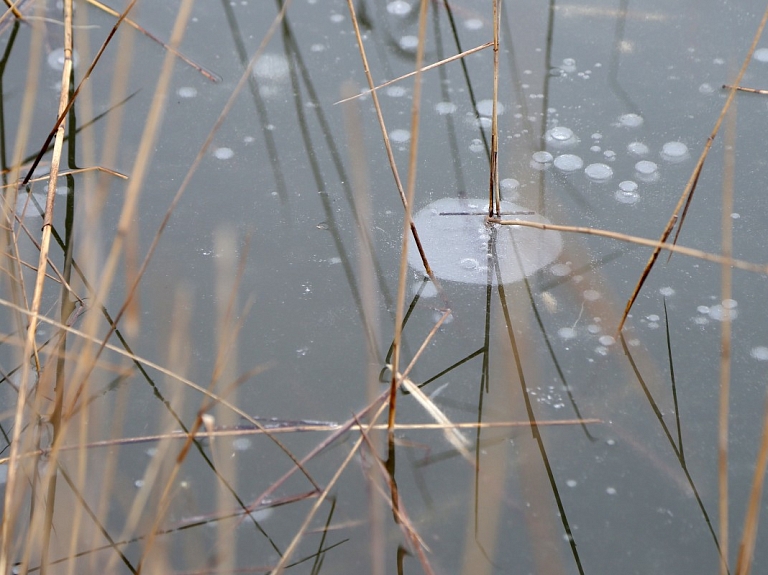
604,109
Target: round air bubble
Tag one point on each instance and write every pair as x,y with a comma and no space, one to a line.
591,295
637,149
760,353
223,153
569,163
400,136
476,146
626,197
396,91
560,270
646,167
473,24
272,67
485,108
761,55
445,108
56,59
568,65
542,157
560,134
598,172
674,152
566,332
509,185
241,444
628,186
449,228
631,120
606,340
399,8
187,92
409,43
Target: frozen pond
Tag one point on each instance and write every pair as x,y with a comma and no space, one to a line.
265,315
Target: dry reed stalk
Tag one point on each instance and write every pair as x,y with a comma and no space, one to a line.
367,276
228,280
726,226
13,8
749,534
353,126
687,195
281,565
694,253
385,136
407,221
310,428
494,203
747,90
72,100
11,497
401,517
206,73
425,343
452,435
465,53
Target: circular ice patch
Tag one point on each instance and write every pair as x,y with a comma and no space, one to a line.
646,167
445,108
485,108
761,55
542,157
631,120
674,152
637,149
272,67
400,136
568,163
399,8
223,153
598,172
460,245
187,92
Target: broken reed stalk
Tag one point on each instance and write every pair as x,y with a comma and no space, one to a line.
726,225
687,194
743,89
385,136
407,221
494,205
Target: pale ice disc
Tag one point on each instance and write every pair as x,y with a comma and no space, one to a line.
458,243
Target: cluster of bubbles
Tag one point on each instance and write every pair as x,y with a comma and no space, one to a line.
725,310
561,140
